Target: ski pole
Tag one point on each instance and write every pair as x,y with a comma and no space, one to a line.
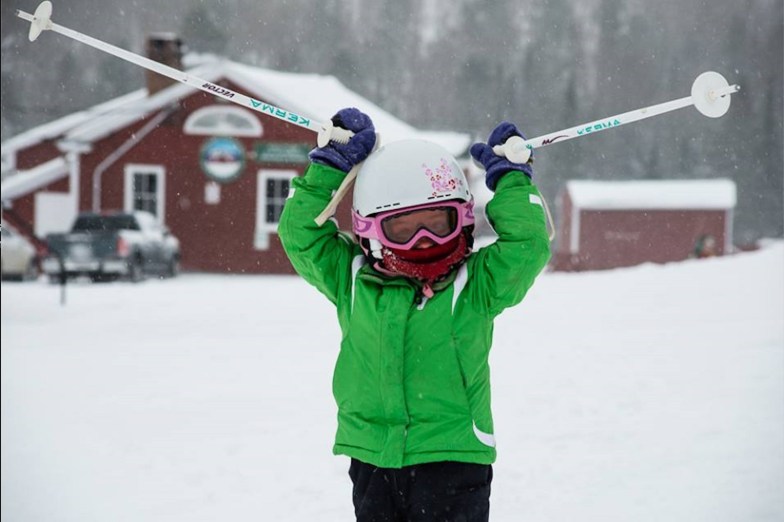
41,21
710,94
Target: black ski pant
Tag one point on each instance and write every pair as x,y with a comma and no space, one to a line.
438,491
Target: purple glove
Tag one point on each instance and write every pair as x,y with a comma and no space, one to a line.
344,156
496,166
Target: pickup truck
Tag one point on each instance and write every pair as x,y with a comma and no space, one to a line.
111,246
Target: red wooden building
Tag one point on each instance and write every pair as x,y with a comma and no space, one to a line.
624,223
216,174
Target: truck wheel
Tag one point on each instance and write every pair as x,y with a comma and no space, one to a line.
135,273
173,268
31,271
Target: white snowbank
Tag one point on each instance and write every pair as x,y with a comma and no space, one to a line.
654,393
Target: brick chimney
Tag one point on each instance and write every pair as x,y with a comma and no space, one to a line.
166,48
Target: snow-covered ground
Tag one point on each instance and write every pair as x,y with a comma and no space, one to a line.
654,393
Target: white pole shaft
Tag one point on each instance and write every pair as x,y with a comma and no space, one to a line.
182,77
608,123
518,147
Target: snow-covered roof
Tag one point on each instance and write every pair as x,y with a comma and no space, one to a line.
57,128
319,97
653,194
312,95
25,181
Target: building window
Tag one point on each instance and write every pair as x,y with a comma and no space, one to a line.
272,192
145,192
220,120
277,192
144,189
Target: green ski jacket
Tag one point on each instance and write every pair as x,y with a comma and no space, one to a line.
412,380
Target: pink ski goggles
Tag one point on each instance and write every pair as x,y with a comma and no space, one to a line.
401,229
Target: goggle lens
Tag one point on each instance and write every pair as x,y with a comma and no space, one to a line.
401,228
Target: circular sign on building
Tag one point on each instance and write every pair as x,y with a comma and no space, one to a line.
222,159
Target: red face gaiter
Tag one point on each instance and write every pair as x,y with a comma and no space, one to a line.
426,264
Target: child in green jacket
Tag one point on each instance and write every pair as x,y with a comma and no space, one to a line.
416,307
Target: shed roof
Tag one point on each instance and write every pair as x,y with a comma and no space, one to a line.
653,194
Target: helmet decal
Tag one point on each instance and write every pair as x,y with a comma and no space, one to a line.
442,179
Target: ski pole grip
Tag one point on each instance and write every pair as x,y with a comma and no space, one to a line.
329,133
514,149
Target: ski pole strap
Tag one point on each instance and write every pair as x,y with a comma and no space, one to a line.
550,224
339,194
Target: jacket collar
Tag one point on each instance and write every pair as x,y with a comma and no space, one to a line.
369,274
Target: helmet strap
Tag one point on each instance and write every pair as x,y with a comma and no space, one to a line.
376,249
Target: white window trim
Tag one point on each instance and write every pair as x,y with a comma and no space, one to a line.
191,128
157,170
729,217
264,229
574,232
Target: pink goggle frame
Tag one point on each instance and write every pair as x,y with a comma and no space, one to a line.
371,227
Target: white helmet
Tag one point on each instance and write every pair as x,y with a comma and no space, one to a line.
405,174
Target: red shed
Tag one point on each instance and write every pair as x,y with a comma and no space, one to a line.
608,224
216,174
